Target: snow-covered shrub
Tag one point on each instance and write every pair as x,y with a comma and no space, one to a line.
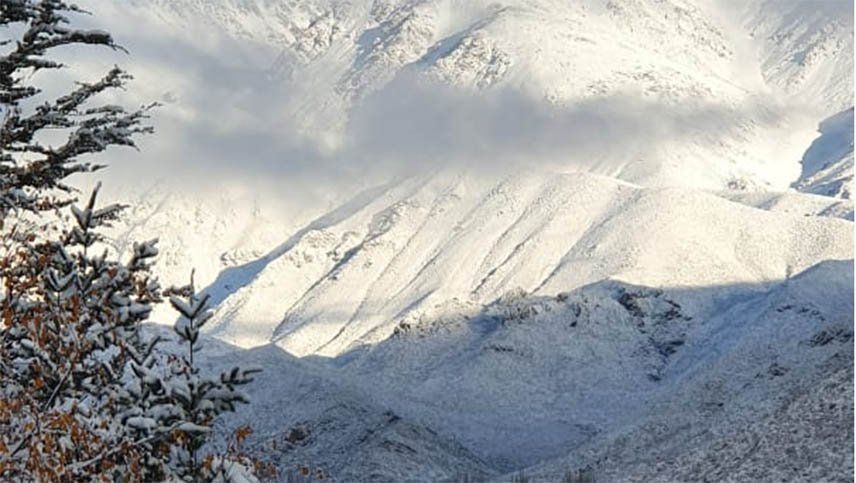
83,394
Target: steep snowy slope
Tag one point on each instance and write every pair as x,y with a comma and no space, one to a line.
671,93
303,418
454,242
828,162
805,48
668,93
201,232
827,171
629,383
764,393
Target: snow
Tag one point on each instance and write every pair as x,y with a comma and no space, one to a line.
805,49
411,250
657,289
767,376
828,162
571,381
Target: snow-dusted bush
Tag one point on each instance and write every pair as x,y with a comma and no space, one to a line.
84,395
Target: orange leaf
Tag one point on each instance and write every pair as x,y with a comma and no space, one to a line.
242,433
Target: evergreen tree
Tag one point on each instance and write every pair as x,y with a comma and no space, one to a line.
84,392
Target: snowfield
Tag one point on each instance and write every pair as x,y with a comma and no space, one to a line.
477,241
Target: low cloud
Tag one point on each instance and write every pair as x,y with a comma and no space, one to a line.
225,120
426,125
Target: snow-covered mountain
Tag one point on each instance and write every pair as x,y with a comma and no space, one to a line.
472,238
828,162
677,93
621,381
408,251
704,94
805,49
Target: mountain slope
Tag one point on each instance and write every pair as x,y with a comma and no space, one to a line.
828,162
670,77
333,95
453,242
477,238
764,393
805,49
305,420
628,382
